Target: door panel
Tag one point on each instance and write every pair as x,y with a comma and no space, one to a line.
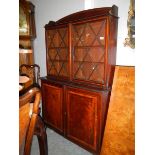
52,106
57,52
82,117
89,46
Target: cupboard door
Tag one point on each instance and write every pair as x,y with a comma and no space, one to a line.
57,52
83,114
89,42
52,106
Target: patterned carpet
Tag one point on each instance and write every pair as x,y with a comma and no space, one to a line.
57,145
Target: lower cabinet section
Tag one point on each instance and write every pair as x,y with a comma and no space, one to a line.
79,114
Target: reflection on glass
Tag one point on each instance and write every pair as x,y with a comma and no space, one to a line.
23,26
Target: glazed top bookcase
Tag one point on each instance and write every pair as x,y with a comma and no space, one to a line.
82,47
80,60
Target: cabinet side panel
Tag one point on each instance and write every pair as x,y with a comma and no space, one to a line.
112,48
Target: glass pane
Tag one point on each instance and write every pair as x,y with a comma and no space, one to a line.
57,54
88,41
23,26
89,34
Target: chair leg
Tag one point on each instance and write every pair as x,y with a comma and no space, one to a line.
27,149
40,132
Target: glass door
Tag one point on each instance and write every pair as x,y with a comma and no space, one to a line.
88,43
57,52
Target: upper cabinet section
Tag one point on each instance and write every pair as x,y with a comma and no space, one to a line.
26,20
81,47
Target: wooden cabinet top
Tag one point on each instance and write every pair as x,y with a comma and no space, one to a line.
85,15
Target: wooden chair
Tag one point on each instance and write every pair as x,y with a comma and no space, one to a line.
32,71
30,123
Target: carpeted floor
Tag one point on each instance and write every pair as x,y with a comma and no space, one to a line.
57,145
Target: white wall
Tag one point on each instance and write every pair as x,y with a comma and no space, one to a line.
46,10
125,55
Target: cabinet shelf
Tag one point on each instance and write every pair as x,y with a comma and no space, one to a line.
57,48
59,60
78,61
93,46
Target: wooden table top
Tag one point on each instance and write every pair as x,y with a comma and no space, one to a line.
26,83
23,79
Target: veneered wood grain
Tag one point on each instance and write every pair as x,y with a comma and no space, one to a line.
52,106
82,110
119,136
